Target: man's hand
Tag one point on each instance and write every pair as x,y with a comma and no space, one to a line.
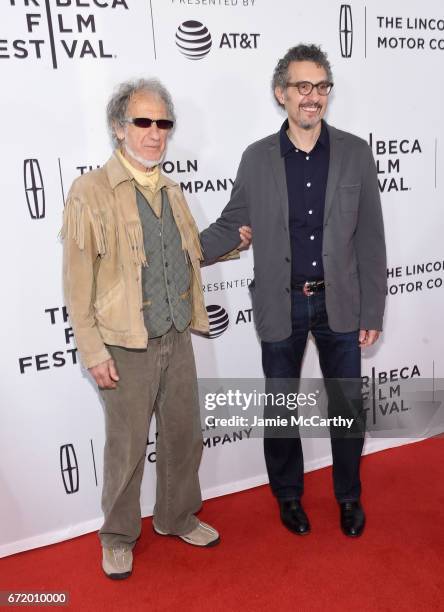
105,374
367,337
245,236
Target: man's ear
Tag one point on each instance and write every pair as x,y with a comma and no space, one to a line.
280,96
119,130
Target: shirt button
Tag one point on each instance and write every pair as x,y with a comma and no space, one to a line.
308,184
166,264
310,212
312,237
297,150
168,318
307,157
313,263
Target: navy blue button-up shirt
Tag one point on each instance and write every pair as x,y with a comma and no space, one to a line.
306,175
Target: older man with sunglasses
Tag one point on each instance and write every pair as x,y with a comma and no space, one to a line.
310,193
132,259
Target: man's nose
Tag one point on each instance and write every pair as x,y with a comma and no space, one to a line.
154,132
313,96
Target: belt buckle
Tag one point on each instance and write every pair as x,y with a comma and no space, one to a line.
307,288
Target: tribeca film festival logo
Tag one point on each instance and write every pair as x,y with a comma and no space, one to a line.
194,40
388,154
52,359
69,468
34,188
384,394
346,30
49,27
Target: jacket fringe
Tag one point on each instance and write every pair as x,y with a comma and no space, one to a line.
74,225
135,238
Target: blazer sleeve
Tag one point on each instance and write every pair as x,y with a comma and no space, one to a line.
370,249
222,236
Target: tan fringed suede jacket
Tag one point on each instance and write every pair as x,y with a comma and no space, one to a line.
103,257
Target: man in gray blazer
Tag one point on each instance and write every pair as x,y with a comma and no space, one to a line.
311,197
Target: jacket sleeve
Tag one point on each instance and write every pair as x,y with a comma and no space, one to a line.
370,250
222,236
83,240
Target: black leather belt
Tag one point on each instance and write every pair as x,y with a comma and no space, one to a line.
309,287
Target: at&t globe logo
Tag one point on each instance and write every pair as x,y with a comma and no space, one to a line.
218,318
193,40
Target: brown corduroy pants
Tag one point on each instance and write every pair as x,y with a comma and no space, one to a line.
161,378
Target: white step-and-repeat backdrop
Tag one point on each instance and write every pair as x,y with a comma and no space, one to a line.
59,61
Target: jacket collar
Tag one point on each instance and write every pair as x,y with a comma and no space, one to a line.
118,174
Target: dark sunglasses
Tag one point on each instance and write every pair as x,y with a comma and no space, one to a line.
145,122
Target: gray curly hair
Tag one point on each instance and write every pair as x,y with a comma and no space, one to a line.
118,103
300,53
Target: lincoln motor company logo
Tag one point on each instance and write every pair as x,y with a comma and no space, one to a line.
34,188
69,468
58,29
346,30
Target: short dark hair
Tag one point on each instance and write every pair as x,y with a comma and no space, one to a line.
300,53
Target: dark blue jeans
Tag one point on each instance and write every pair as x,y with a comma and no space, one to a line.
339,357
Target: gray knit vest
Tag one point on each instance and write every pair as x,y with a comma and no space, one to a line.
166,280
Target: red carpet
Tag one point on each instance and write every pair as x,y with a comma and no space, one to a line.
398,564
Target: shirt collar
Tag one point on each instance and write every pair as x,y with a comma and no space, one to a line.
287,145
145,179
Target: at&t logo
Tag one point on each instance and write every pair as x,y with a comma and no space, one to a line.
219,320
194,40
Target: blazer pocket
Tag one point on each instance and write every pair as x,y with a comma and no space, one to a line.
349,197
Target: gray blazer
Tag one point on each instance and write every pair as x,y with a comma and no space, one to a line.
353,248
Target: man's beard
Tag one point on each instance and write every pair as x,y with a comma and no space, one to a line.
147,163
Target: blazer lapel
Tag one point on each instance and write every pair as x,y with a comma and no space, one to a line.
334,168
278,171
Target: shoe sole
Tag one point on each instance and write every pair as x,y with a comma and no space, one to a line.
118,576
172,535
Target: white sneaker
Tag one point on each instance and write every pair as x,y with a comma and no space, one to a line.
117,562
202,535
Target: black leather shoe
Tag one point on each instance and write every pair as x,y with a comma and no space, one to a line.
294,517
352,518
